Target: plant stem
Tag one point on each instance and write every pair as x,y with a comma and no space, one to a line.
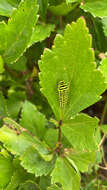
103,114
101,122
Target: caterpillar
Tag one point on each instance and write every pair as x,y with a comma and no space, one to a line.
63,94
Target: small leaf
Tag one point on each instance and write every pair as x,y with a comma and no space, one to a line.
41,32
80,132
104,21
19,65
103,68
6,8
62,9
43,5
64,174
54,187
18,40
98,8
6,169
33,120
2,36
45,181
14,108
104,128
32,161
3,106
19,176
72,61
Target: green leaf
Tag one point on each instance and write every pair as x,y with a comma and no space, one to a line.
19,65
2,36
54,187
104,128
104,21
62,9
33,120
6,169
32,161
64,174
43,5
14,108
103,68
29,185
98,8
72,1
15,143
82,159
14,3
45,181
41,32
19,176
6,8
1,65
3,106
72,61
18,40
80,132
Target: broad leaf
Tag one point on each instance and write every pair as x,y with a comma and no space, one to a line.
64,174
32,161
82,159
103,68
18,40
33,120
15,143
72,61
6,169
80,132
62,9
41,32
97,8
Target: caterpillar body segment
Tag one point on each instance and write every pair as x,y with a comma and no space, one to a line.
63,94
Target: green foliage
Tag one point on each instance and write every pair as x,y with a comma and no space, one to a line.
53,82
41,32
6,170
103,68
96,8
81,128
64,173
62,9
18,40
68,63
33,120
